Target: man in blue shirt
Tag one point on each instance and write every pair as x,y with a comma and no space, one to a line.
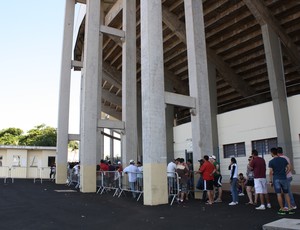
279,167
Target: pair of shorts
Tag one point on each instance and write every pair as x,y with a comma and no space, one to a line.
260,185
250,183
218,181
280,185
208,185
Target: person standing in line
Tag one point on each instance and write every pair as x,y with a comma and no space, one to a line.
289,179
171,169
183,174
207,170
139,176
132,171
279,167
258,165
233,167
217,179
250,183
52,172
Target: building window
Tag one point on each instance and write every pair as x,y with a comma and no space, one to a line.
234,150
16,161
51,161
263,146
1,159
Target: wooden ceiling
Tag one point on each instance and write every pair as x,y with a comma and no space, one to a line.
234,45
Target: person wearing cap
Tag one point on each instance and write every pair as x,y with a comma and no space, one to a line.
217,179
132,171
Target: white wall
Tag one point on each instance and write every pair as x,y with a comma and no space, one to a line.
245,125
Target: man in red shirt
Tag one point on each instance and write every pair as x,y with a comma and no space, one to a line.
258,165
207,170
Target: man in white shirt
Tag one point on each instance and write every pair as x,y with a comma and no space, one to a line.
171,169
132,171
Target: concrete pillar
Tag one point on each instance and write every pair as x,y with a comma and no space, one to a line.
198,79
89,107
111,142
153,105
278,91
169,124
212,75
129,91
64,95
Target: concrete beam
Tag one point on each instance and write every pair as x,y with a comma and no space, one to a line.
112,31
111,124
180,100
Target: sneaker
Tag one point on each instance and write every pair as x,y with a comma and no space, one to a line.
294,207
218,200
233,203
262,207
291,211
281,212
241,194
269,205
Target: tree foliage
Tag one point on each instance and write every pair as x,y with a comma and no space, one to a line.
73,145
40,135
10,136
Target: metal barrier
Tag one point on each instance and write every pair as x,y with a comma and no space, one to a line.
108,180
18,172
73,177
42,173
173,186
4,172
136,186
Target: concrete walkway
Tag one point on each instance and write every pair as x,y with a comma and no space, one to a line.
28,205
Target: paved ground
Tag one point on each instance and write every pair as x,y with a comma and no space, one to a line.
25,205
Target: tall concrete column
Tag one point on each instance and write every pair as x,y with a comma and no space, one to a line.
89,106
198,79
129,91
169,123
64,95
153,105
214,106
111,142
278,91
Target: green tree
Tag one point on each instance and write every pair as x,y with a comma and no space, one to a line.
73,145
10,136
41,135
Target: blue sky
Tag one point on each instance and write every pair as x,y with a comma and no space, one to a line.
31,46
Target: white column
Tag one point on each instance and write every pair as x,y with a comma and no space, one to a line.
278,91
153,105
129,101
198,79
214,106
64,95
89,106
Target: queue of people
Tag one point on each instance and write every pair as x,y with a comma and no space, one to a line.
254,183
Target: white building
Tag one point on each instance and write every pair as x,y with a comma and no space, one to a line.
26,161
246,128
